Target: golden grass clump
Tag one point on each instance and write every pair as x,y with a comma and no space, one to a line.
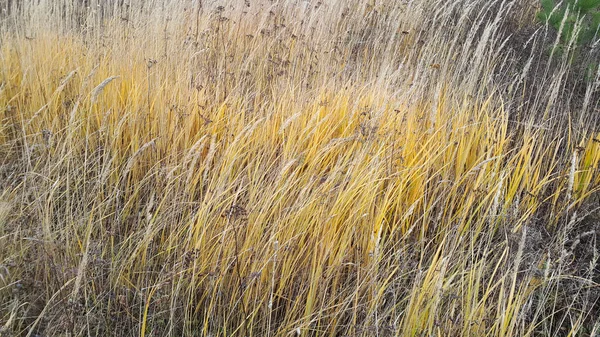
293,168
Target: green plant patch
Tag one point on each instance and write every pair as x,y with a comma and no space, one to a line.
574,20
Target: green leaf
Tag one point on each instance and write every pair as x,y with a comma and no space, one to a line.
567,31
548,6
556,18
595,21
587,5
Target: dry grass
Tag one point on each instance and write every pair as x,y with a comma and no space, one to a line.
281,168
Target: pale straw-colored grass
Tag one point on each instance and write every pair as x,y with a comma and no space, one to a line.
277,168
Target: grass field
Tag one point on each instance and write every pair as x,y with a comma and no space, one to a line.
296,168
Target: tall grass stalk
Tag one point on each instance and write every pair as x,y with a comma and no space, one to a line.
310,168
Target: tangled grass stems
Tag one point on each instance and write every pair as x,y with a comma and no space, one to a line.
272,168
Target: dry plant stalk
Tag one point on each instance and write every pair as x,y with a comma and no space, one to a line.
341,168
